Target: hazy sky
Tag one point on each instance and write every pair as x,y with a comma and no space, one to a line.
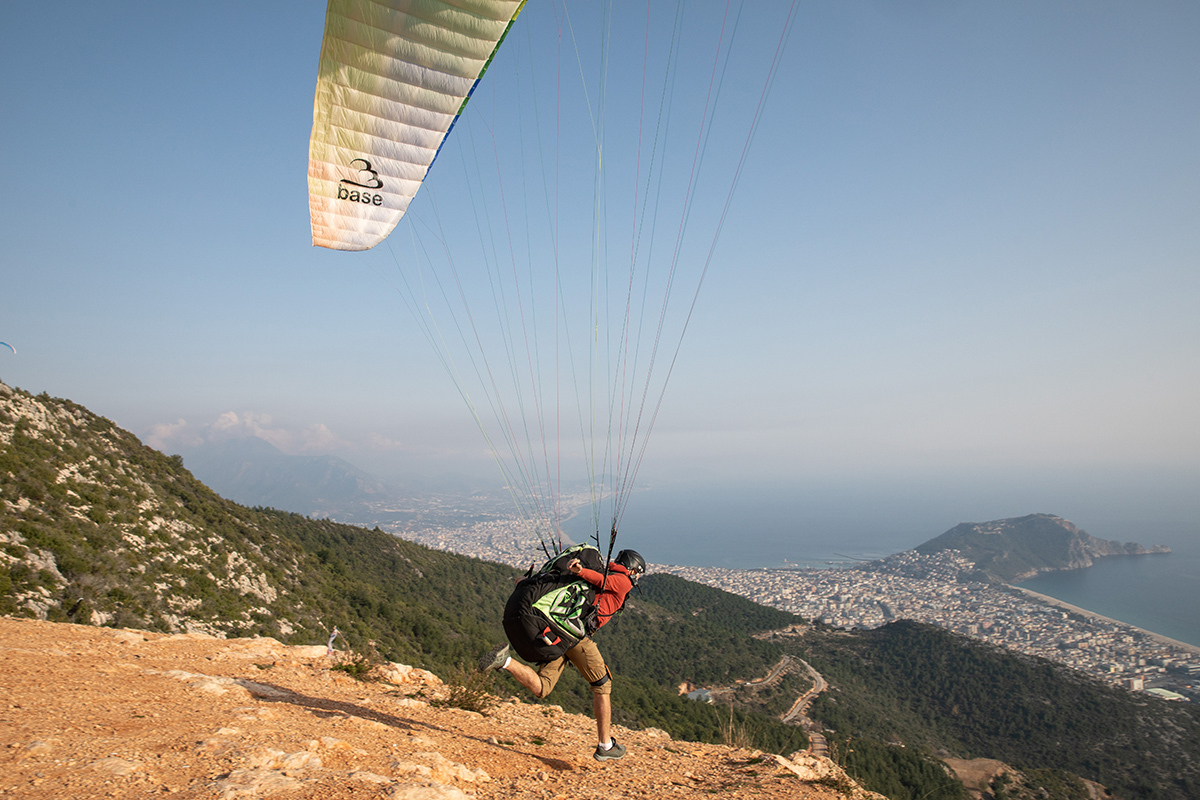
963,258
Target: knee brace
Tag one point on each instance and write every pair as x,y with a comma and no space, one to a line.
604,685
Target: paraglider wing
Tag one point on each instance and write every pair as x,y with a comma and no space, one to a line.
10,347
393,77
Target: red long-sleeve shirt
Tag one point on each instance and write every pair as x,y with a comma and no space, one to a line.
609,599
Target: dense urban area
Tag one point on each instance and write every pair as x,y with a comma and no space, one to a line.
934,589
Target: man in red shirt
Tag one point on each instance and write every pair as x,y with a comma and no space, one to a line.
611,590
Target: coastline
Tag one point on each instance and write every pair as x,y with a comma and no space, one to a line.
1054,601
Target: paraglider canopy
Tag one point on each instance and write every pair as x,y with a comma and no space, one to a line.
393,78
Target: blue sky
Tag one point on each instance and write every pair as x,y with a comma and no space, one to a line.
961,263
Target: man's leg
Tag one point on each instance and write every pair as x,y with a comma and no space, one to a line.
525,676
587,659
540,681
602,709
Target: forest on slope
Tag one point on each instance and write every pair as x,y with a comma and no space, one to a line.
930,689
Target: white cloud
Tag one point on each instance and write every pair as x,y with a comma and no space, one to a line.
314,438
318,437
164,435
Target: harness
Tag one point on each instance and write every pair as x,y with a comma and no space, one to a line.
551,610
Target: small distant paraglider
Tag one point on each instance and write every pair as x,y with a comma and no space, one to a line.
9,346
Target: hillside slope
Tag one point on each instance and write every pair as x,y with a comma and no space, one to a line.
97,528
100,712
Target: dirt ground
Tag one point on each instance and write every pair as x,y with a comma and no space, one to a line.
91,712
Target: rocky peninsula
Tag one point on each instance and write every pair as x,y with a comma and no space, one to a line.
1016,549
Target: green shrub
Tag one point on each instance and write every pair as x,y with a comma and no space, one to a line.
469,689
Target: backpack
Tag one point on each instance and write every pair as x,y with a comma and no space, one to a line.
551,610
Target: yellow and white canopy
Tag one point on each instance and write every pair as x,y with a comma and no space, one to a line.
394,76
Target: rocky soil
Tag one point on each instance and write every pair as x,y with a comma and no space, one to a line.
89,712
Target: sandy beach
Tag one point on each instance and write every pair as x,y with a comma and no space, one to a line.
1083,612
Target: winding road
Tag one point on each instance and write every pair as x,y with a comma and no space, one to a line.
797,714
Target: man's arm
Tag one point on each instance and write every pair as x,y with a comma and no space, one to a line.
590,575
615,582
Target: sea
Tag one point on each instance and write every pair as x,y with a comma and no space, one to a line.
753,527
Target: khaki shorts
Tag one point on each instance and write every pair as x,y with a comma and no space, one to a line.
587,659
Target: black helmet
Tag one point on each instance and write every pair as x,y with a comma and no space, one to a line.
632,560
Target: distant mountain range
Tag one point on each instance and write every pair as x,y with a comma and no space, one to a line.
1015,549
254,472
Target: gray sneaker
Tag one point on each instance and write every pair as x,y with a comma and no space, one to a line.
616,751
494,658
